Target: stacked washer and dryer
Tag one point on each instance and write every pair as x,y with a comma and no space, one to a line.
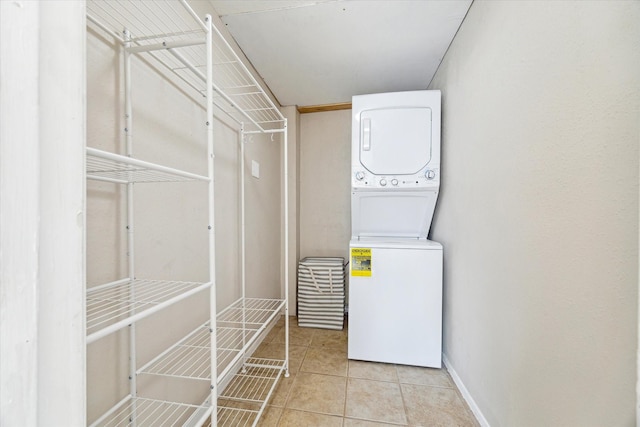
395,291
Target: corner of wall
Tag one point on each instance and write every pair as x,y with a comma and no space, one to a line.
465,392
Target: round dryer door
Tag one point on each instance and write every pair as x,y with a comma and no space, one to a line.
395,141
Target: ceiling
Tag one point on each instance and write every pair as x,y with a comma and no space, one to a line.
325,51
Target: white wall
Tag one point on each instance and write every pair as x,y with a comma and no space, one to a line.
538,212
325,187
42,109
263,214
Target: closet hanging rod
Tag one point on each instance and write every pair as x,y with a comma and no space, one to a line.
105,179
247,132
165,35
164,45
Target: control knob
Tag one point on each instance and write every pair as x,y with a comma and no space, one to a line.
359,175
383,182
430,174
394,181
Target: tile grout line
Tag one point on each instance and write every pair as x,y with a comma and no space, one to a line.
286,400
346,394
404,405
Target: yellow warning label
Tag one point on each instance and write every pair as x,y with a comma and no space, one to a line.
361,262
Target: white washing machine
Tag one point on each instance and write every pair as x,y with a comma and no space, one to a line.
395,296
395,311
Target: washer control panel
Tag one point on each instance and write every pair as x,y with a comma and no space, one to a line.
429,177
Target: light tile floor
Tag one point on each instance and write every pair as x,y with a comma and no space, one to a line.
326,389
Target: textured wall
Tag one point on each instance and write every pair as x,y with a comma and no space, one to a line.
538,212
325,187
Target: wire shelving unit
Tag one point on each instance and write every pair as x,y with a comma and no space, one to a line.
192,53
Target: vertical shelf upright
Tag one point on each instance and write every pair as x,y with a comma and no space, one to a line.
191,53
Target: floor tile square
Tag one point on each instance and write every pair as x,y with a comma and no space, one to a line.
330,338
424,376
435,406
375,401
292,418
270,417
352,422
373,371
321,361
297,336
318,393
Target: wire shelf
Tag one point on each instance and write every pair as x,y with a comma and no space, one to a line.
187,51
248,392
249,311
150,412
235,417
255,382
117,304
174,36
190,357
105,166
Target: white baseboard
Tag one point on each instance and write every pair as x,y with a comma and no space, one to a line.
465,393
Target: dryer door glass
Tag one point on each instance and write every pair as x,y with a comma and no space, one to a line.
395,141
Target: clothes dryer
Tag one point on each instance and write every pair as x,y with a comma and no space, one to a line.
396,141
395,296
395,162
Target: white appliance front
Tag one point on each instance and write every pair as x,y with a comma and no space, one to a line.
396,140
392,213
395,301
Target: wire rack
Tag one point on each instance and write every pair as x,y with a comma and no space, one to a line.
190,357
171,33
117,304
183,48
250,311
232,417
151,412
254,382
246,396
104,166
